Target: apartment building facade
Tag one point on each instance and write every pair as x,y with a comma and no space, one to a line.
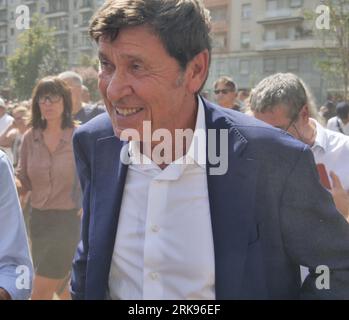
69,18
256,38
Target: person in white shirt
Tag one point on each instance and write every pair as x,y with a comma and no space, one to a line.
16,269
340,122
5,122
285,102
5,119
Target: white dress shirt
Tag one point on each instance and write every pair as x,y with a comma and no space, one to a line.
332,125
164,244
332,149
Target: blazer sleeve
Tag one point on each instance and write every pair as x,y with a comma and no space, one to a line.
314,233
83,166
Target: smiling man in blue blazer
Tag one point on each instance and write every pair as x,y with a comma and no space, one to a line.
166,220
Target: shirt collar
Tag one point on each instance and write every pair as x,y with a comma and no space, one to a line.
197,148
321,136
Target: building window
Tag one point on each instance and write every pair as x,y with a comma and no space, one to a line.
220,41
244,67
245,40
269,65
296,3
2,64
246,11
272,5
219,14
280,33
75,40
292,64
3,48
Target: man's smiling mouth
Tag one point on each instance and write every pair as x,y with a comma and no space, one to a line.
127,112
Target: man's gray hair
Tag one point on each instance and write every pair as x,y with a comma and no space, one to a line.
282,89
71,75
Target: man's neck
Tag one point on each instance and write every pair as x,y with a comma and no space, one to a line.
178,146
310,133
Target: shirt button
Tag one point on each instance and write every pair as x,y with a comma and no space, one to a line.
155,228
154,275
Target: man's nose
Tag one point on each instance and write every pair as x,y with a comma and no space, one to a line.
118,87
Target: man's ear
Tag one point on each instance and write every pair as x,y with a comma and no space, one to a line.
197,71
304,113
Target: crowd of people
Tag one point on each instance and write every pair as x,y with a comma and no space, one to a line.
171,231
37,135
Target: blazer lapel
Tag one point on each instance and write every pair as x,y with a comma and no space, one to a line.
231,199
109,177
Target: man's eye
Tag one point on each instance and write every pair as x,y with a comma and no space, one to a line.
136,66
105,64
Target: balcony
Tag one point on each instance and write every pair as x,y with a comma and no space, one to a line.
56,14
285,15
220,26
215,3
58,32
288,44
85,9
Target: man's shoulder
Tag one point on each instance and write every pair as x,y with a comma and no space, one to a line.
337,139
248,127
98,127
332,121
258,140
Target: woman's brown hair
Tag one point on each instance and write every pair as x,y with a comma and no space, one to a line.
54,86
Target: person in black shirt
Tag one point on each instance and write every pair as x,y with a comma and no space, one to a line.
81,112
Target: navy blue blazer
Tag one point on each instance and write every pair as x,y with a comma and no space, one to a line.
269,213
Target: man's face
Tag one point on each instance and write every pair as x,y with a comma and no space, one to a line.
139,82
225,97
76,94
278,117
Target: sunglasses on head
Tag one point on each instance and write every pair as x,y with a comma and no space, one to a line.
224,91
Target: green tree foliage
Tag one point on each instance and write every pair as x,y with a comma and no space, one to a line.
36,57
335,49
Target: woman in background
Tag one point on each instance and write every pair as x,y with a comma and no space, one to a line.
46,168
